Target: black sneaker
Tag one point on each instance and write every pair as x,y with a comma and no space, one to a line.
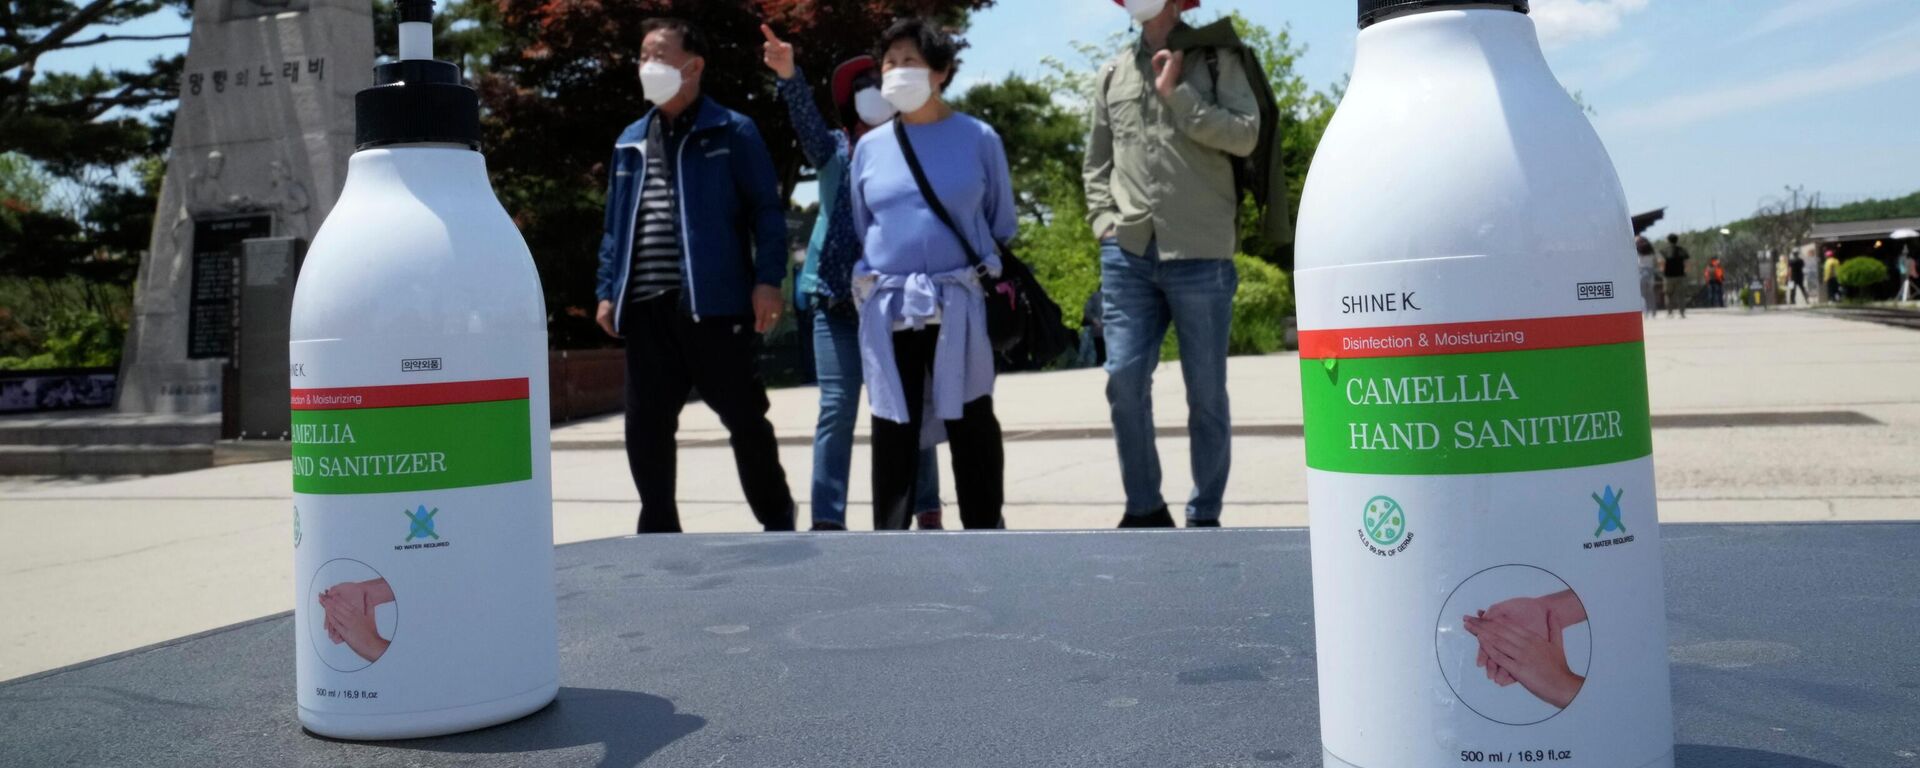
1203,523
1158,518
822,526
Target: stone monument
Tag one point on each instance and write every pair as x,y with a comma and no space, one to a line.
260,147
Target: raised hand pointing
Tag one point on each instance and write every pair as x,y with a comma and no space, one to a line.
777,53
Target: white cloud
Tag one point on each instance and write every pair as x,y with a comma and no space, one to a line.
1794,13
1618,65
1893,58
1569,21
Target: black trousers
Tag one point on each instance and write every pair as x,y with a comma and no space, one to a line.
979,460
670,355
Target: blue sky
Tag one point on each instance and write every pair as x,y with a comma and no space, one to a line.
1709,107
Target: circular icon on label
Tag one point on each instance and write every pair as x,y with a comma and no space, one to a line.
1514,644
1384,521
351,615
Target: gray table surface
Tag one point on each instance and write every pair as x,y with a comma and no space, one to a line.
1791,648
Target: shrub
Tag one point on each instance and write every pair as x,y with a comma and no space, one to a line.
1260,308
65,323
1863,272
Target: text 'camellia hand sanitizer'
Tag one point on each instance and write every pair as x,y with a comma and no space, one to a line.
1486,551
423,500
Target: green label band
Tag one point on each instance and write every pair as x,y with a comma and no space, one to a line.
1477,413
418,448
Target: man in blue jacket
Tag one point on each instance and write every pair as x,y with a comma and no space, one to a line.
690,272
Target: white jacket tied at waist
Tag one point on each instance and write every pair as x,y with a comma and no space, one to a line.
963,356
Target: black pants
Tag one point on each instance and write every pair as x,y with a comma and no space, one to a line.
668,356
979,463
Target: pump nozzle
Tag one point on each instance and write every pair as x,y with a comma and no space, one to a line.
416,30
416,100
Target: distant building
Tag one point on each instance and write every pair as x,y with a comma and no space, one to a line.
1849,239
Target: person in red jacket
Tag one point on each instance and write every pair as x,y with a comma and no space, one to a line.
1716,277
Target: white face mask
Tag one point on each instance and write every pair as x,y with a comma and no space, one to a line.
660,82
1144,10
873,107
907,88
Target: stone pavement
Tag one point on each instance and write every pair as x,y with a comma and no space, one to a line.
1776,417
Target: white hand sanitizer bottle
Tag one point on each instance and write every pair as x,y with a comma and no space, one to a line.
423,500
1486,550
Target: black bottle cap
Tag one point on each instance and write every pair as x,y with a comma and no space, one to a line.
416,101
415,10
1374,10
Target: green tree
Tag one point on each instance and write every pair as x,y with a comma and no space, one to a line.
66,322
74,121
89,133
79,153
1863,210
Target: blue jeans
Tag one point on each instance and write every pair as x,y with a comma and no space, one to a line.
1145,295
836,363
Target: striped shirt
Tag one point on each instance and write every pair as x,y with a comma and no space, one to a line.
656,238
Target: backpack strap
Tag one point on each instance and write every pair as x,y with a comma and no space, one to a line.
926,191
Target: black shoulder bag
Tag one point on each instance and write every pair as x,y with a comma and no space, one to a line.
1022,320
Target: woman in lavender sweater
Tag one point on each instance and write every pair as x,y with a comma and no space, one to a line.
923,333
824,287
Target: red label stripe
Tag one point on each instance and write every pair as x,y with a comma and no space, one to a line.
1472,338
409,395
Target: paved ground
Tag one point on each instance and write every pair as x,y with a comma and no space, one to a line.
95,566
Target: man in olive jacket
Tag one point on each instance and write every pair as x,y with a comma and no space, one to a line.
1162,199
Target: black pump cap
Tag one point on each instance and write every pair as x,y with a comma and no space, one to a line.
416,101
1373,10
416,10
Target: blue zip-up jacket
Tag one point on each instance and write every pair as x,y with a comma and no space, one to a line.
733,224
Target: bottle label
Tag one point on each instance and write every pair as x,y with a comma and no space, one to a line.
1472,398
423,533
1486,552
410,437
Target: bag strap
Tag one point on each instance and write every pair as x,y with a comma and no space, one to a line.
926,191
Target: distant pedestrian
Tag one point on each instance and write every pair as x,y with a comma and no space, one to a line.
1716,276
1909,275
1675,271
1797,279
1649,267
1830,276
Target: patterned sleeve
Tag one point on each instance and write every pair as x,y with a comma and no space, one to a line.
819,141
